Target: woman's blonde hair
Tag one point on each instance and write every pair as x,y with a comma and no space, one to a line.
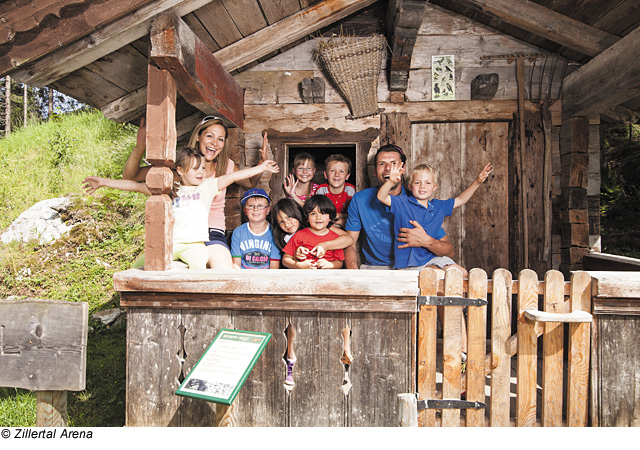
222,160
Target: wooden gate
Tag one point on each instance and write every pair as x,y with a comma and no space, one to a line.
482,395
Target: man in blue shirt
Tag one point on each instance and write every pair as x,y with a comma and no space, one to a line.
368,215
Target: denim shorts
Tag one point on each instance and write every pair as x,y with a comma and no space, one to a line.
217,236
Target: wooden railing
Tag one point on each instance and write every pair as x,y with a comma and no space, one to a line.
560,302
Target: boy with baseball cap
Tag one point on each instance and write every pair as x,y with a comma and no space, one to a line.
252,244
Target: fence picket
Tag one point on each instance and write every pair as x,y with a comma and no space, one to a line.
578,365
552,342
501,360
477,332
451,347
428,284
527,355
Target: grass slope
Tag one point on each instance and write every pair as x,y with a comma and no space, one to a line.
51,160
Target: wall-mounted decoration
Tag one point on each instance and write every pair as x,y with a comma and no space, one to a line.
354,66
443,77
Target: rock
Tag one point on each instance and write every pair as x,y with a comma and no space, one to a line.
41,222
108,316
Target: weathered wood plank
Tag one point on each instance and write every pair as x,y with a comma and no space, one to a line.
100,43
28,39
153,338
201,79
452,347
51,408
477,331
427,347
316,400
548,24
501,359
615,284
586,91
380,344
552,343
262,399
43,345
579,351
293,282
527,351
288,30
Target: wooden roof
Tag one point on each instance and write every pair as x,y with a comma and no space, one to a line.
97,50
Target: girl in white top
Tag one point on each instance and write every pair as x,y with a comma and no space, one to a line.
192,198
209,137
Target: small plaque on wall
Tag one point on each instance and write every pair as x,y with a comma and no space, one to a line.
443,77
222,370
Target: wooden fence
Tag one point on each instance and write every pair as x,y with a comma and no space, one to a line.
542,308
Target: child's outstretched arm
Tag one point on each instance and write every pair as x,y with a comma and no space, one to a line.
266,166
92,184
132,169
395,175
468,192
252,181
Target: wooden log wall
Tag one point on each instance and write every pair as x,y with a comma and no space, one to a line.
273,100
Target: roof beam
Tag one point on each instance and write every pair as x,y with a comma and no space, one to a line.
548,24
403,22
257,45
609,79
200,78
286,31
100,43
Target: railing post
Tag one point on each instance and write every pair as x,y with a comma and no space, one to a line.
552,342
452,347
428,284
501,359
476,346
579,339
527,351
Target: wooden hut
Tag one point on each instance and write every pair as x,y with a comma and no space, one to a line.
532,80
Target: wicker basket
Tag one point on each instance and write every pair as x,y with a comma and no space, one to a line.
354,65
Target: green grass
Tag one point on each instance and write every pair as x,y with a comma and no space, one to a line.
51,160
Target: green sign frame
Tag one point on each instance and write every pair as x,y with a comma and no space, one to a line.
224,367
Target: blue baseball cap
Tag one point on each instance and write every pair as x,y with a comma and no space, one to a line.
254,192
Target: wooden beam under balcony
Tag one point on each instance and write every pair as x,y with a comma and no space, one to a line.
201,79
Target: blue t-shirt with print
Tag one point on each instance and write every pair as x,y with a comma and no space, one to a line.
254,250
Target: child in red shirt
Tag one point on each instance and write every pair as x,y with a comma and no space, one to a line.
337,171
320,213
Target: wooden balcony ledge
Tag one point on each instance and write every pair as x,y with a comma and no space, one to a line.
288,290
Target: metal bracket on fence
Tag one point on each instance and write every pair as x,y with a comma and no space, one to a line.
437,300
449,404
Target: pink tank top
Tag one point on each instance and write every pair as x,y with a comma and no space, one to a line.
216,213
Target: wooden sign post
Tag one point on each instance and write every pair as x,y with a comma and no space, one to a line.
43,348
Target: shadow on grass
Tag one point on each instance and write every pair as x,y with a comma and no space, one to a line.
102,403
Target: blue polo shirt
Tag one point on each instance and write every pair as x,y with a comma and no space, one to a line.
404,209
367,213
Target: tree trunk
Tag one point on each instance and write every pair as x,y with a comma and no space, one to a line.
7,110
25,103
50,102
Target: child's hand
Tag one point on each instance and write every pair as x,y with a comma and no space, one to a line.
301,253
324,264
264,151
485,173
91,184
318,251
308,264
290,184
270,166
395,174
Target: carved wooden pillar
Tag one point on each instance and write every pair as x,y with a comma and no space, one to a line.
161,153
574,223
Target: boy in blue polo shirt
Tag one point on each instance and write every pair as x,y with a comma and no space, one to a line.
428,212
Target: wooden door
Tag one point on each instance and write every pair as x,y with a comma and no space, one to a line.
479,231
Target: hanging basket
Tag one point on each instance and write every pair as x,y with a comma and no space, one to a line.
354,65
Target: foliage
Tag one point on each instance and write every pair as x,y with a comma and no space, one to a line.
50,160
620,191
